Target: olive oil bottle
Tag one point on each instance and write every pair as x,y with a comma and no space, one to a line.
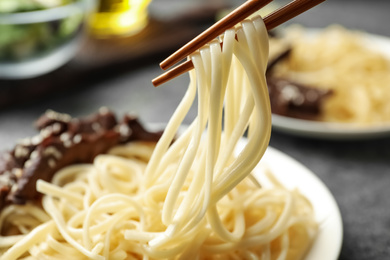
119,17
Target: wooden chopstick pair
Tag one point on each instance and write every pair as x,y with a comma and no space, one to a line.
271,21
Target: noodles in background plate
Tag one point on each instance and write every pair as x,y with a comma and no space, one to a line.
347,62
193,199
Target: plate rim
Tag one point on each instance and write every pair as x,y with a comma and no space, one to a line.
332,225
327,130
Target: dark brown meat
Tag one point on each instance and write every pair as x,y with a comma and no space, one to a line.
293,99
62,141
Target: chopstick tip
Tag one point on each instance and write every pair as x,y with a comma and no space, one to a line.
164,65
156,82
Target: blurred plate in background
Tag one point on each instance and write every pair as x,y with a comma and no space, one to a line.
338,130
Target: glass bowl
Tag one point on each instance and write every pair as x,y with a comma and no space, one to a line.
36,42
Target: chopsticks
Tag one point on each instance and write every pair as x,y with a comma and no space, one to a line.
271,21
229,21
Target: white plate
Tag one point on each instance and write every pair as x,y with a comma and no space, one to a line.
343,131
292,174
324,130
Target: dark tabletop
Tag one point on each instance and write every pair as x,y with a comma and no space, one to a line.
357,172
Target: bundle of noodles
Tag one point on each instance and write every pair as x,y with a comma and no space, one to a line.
193,199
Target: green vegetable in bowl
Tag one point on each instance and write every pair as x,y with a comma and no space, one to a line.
21,41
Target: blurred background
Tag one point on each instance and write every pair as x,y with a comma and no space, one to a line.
75,56
59,49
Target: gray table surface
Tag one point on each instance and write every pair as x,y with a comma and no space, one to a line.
357,172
